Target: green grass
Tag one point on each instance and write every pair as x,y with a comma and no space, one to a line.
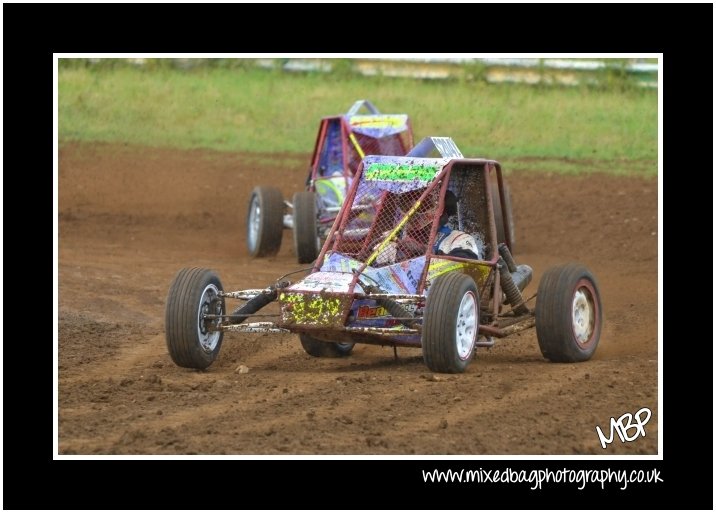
253,110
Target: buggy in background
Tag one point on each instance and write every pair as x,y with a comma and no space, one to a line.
342,143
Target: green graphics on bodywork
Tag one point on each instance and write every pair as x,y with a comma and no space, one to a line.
478,272
312,309
401,172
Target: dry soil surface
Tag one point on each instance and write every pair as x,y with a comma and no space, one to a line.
131,217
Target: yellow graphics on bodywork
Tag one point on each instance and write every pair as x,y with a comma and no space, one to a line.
311,309
478,272
359,150
379,121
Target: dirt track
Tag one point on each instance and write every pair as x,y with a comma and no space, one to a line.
130,218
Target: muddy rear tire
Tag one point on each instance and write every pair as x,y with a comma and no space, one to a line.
568,314
264,221
190,341
305,227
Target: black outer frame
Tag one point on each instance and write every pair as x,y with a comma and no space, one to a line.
32,480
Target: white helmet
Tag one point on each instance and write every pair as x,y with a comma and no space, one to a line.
460,240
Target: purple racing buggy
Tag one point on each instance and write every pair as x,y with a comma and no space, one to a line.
380,277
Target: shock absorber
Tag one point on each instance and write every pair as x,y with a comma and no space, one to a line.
254,304
521,274
507,256
514,296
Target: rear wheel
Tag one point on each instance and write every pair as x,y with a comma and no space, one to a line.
264,225
305,227
321,349
190,338
568,314
450,323
508,237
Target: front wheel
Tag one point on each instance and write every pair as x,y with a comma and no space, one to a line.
568,314
192,339
264,222
321,349
450,323
305,227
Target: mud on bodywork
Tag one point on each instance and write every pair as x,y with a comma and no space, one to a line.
315,309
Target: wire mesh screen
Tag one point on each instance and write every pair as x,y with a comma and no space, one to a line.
469,184
389,221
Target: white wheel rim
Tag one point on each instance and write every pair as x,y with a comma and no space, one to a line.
208,304
582,315
466,329
254,222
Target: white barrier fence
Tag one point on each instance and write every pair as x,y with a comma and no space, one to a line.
531,71
569,72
